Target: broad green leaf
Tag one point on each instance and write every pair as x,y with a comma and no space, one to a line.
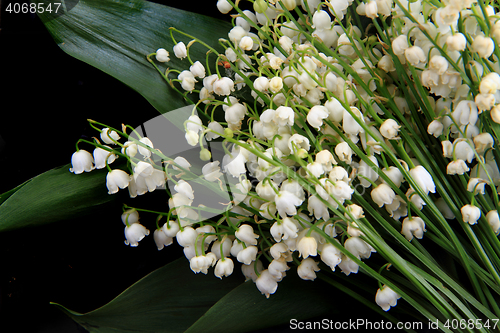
174,299
169,299
4,196
246,309
53,196
116,36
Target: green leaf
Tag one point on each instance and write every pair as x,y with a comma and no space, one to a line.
4,196
53,196
246,309
174,299
116,36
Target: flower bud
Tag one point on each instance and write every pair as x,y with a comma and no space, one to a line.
162,55
223,6
260,6
246,43
180,50
371,10
275,84
198,69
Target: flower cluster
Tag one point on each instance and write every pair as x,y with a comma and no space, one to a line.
342,120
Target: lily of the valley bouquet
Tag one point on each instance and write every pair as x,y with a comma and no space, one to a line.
338,138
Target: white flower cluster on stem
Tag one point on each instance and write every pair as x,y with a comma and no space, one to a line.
338,123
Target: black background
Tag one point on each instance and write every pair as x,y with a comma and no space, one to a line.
46,97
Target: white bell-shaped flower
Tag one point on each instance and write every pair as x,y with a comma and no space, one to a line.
180,50
223,86
143,150
330,255
171,228
389,129
285,116
458,167
130,216
225,246
493,221
358,247
284,230
347,265
245,234
316,115
162,55
224,6
200,264
117,179
456,42
186,237
483,46
470,214
197,69
183,187
386,298
307,246
109,136
161,239
247,255
476,185
383,195
423,179
368,172
307,269
100,156
134,234
81,161
224,267
413,226
286,203
266,283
